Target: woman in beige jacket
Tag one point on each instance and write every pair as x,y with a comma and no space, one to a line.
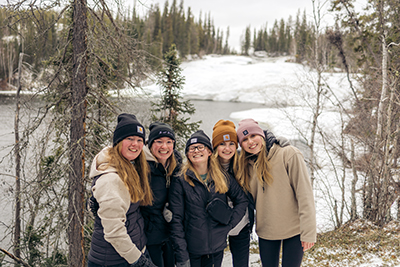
120,185
277,178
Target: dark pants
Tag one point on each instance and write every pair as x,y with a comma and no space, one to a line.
292,252
240,247
91,264
162,255
210,260
126,264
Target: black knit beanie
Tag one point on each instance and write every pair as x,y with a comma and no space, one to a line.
158,130
198,137
127,125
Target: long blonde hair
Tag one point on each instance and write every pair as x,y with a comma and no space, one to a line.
135,176
261,167
214,173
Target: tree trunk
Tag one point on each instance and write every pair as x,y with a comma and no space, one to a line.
77,135
317,108
17,223
353,214
384,91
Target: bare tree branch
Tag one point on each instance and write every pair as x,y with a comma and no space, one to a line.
18,260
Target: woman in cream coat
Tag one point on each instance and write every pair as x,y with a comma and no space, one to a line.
277,178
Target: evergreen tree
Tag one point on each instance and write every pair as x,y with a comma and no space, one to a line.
225,50
167,29
282,37
273,38
172,109
265,39
288,33
302,40
255,40
247,41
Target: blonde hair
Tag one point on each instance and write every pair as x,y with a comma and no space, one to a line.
172,164
135,176
214,173
261,167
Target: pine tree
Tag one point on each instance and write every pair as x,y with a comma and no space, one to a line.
172,109
246,42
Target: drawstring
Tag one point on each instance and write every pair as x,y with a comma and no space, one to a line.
168,177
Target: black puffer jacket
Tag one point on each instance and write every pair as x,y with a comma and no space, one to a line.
193,230
156,228
270,140
252,205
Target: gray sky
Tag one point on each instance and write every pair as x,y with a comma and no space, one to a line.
237,14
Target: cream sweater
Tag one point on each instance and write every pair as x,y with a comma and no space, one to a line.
286,207
114,200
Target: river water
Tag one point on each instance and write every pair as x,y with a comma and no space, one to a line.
209,112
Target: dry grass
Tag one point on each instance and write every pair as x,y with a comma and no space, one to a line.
359,243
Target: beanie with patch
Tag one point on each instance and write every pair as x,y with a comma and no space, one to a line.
127,126
224,130
248,127
158,130
198,137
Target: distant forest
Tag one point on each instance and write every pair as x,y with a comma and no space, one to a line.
44,33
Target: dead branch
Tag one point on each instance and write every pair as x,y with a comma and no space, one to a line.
18,260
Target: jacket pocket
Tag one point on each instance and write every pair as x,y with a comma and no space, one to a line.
219,211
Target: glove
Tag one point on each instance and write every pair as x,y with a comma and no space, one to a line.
282,141
183,264
92,205
167,213
143,261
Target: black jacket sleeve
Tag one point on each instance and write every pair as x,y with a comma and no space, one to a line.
270,139
239,199
177,206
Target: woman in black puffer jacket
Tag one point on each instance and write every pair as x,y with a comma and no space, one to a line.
164,162
198,200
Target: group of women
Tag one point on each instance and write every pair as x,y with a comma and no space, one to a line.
154,209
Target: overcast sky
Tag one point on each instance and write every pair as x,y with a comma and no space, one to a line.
237,14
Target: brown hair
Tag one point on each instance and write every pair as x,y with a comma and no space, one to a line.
214,172
172,163
233,160
261,167
135,176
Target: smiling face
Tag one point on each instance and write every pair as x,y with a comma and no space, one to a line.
162,148
226,150
252,144
131,147
198,154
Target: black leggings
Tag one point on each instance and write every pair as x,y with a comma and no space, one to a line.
210,260
292,252
162,255
239,246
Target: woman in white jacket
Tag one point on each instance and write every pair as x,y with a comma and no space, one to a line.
120,185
